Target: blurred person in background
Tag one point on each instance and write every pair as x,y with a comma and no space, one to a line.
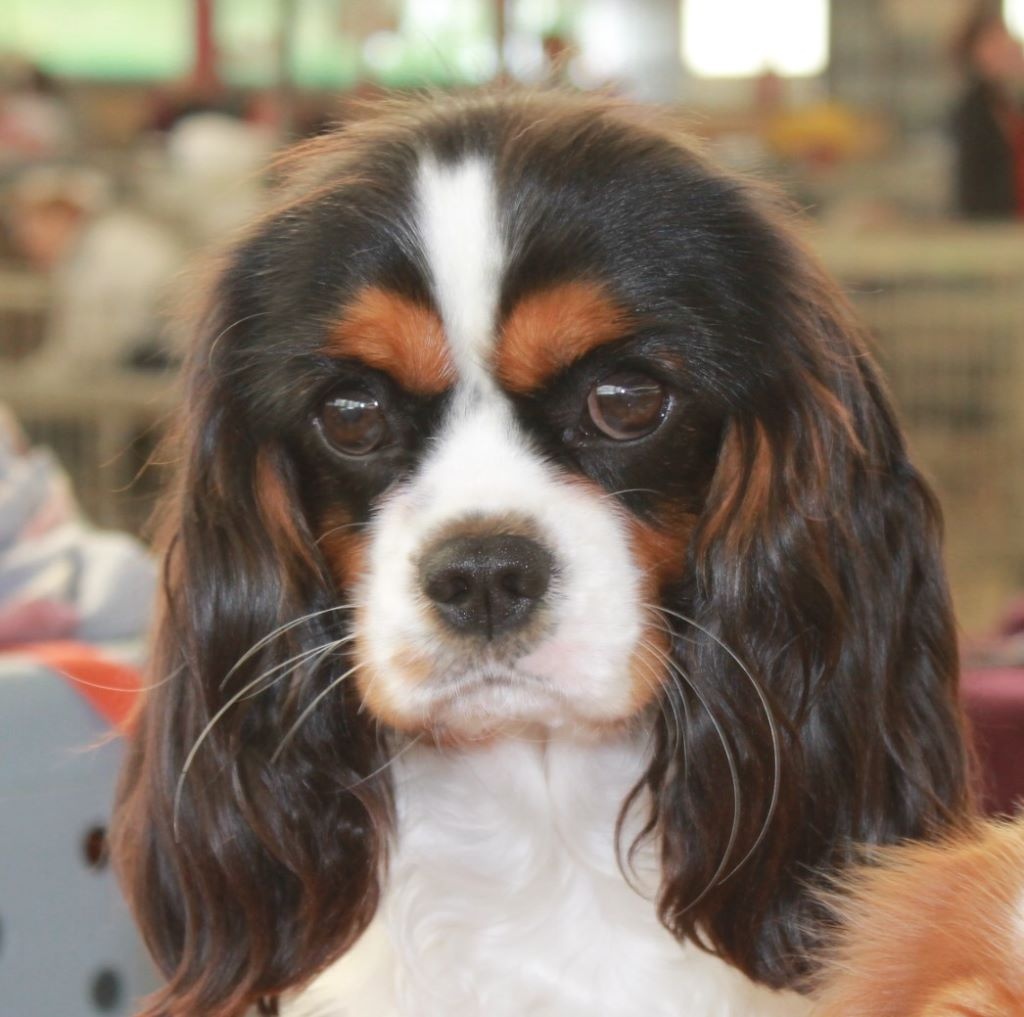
35,122
988,122
111,267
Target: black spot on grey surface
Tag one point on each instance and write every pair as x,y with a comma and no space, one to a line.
94,847
107,990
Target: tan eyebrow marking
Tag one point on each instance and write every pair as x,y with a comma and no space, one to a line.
547,331
394,334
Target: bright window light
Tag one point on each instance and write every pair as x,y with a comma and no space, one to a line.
1014,10
742,38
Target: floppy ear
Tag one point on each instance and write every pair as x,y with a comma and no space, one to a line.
246,875
822,707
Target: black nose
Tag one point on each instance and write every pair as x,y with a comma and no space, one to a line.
486,585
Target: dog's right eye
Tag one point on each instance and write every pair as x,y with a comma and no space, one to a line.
353,422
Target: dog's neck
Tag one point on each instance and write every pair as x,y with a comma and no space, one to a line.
505,895
511,814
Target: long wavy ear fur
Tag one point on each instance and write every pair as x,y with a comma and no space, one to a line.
817,563
256,875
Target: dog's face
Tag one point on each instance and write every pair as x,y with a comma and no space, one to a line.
516,411
512,384
513,431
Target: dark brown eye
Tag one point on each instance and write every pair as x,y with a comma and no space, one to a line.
627,405
354,422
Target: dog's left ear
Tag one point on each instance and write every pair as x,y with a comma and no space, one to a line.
821,674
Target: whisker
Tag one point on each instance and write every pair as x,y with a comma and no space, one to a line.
301,719
197,744
338,529
117,688
292,664
224,331
628,490
734,777
681,724
380,769
772,726
280,630
246,693
675,722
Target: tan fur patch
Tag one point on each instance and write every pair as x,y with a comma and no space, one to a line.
548,331
277,509
648,670
398,336
742,489
414,668
344,545
933,931
659,549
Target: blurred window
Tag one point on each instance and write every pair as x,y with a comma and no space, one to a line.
543,17
335,43
1014,11
744,38
126,39
246,32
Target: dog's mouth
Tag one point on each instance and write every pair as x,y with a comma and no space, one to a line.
509,678
483,702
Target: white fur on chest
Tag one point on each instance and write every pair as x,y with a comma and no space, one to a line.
504,898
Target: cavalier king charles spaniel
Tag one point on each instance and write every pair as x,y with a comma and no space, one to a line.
550,605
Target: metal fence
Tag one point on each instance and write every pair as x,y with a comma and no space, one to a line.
947,313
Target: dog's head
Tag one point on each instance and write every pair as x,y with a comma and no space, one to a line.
515,410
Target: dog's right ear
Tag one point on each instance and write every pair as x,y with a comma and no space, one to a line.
247,873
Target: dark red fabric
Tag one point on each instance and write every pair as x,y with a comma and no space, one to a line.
110,687
1017,145
994,698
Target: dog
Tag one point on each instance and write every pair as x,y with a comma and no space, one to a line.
930,930
551,607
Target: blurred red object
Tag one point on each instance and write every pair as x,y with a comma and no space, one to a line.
994,698
111,687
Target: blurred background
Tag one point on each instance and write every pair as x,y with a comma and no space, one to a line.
135,134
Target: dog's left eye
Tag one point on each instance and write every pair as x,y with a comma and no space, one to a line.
627,405
353,422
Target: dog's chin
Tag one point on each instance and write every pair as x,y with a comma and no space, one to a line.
495,701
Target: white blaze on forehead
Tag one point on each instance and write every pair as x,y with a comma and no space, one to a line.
457,215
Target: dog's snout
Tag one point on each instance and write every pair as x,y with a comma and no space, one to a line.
486,585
